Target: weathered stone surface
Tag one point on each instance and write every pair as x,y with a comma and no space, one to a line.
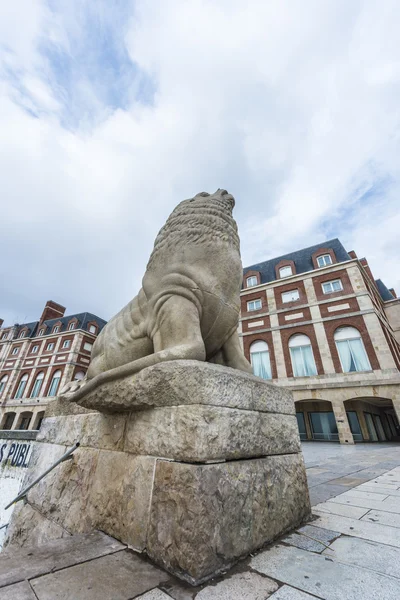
185,382
119,576
188,307
94,430
199,433
29,527
242,586
368,555
18,591
120,496
288,593
154,595
62,406
33,560
204,517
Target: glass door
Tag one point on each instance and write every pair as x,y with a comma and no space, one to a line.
371,427
379,428
354,426
324,426
302,425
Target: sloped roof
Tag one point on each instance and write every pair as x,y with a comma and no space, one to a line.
383,290
301,258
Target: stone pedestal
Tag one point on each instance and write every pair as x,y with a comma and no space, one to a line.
202,467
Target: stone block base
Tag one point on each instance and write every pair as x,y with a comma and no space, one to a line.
195,486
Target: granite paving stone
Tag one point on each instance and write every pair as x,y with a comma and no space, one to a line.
324,577
367,531
344,510
389,505
288,593
155,594
119,576
56,554
300,541
17,591
366,495
366,554
382,517
323,492
242,586
179,590
377,489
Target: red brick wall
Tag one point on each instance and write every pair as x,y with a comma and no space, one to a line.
306,316
266,319
251,274
295,285
352,302
342,275
260,294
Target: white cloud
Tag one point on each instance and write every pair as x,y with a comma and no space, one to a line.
112,113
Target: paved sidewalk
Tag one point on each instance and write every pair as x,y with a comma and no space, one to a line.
350,551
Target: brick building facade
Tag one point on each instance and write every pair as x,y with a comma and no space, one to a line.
37,359
317,322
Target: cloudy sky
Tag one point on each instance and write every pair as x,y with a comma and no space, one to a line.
113,111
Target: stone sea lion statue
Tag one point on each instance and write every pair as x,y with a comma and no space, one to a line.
188,307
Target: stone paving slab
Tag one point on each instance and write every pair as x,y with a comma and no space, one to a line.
288,593
55,555
323,577
368,555
377,489
242,586
324,492
367,531
155,594
17,591
119,576
366,495
343,510
392,506
382,517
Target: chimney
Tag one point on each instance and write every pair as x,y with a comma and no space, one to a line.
52,310
392,291
352,254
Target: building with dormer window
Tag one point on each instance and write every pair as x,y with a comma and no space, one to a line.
318,322
37,359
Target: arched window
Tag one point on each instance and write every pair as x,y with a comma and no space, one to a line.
37,385
79,375
22,385
351,350
285,271
9,420
55,382
24,421
259,356
3,382
302,357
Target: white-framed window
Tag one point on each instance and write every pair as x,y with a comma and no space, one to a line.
71,326
66,344
55,382
92,328
302,356
4,336
56,329
332,286
50,346
3,382
41,332
324,260
260,360
251,281
254,304
350,346
34,349
21,386
15,351
290,296
79,375
285,271
22,334
37,385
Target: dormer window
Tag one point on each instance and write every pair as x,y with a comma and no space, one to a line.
56,329
71,326
22,334
329,287
5,335
324,260
251,281
41,331
285,271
